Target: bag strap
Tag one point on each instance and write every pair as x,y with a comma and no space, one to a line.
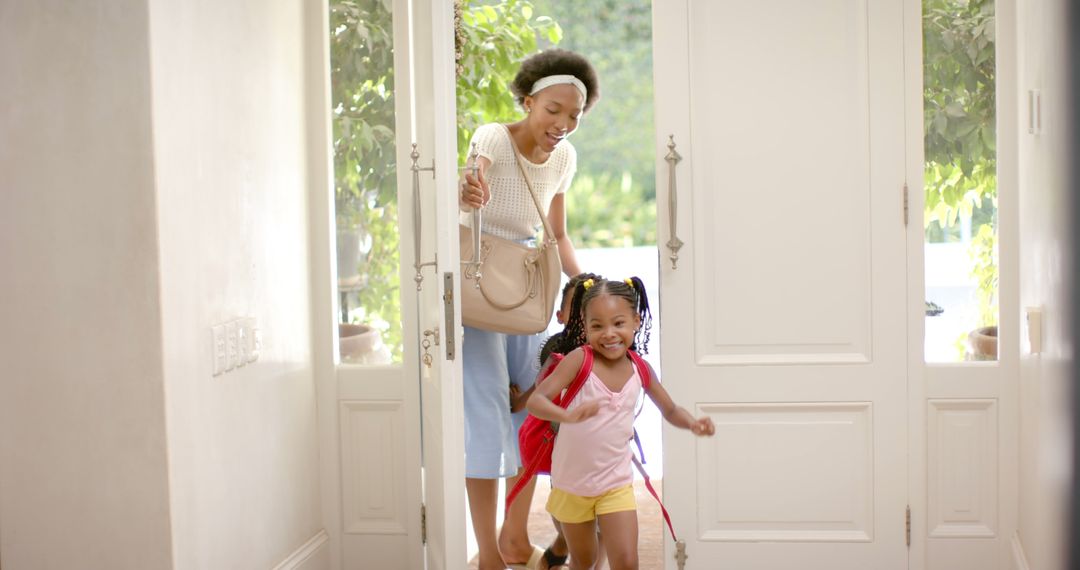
548,234
571,392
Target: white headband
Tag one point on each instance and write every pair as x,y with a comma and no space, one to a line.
559,80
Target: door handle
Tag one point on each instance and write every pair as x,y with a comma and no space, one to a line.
473,267
674,244
418,229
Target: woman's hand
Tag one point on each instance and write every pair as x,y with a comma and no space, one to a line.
474,191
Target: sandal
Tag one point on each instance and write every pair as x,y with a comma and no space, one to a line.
533,563
554,560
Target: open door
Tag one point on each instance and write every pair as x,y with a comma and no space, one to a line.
781,170
391,431
437,274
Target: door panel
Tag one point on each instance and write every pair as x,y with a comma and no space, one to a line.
438,311
785,314
387,430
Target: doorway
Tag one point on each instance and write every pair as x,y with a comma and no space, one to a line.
611,209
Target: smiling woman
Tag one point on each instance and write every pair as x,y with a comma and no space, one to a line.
554,88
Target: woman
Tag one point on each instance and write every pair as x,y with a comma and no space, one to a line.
555,88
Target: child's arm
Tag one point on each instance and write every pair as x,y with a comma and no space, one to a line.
540,404
518,399
677,416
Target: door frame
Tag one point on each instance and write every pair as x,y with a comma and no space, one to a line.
966,381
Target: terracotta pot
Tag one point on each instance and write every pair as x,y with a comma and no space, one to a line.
983,343
361,344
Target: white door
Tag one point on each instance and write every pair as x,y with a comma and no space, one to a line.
439,311
784,313
392,447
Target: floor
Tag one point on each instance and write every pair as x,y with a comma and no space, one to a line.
651,527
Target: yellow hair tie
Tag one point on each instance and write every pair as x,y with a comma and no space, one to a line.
629,281
587,283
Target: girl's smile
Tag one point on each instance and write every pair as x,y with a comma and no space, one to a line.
610,324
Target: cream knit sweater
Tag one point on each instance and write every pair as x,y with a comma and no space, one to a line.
510,213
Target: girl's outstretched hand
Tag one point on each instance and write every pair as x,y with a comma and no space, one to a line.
703,426
582,412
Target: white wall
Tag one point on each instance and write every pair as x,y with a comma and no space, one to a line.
229,139
82,426
154,181
1045,444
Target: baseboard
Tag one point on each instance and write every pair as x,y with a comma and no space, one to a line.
1019,558
312,555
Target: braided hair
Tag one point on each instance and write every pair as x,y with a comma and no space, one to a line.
555,342
632,289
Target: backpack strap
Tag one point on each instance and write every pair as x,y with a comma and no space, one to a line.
645,373
648,485
571,392
579,380
646,378
642,367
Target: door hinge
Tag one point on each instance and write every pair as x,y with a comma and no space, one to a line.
907,526
680,554
905,205
423,523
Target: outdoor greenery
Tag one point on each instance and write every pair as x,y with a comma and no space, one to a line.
365,178
960,109
613,199
492,40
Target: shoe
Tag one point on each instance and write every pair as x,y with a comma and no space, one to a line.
533,563
554,560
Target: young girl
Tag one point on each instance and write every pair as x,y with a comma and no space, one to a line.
555,554
591,476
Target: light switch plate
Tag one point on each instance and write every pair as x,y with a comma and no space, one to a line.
242,346
232,349
251,352
218,349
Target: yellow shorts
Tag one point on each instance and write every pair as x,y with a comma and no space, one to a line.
570,508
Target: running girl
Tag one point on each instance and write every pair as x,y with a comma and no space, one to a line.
591,476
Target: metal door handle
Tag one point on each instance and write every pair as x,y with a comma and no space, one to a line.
674,244
473,267
418,229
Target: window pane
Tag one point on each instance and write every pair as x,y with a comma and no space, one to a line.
365,183
960,180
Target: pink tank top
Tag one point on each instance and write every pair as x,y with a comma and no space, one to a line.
593,456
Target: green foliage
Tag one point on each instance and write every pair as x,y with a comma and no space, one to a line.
960,122
609,210
365,177
616,138
983,252
492,40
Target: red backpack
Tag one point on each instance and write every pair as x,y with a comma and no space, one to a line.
536,438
